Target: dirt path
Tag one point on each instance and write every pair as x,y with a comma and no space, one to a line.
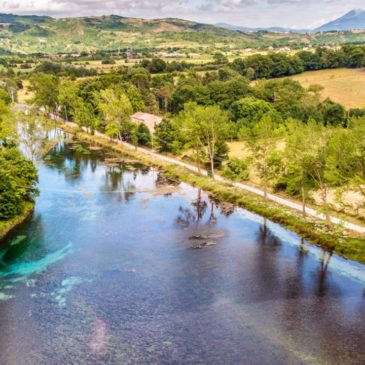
287,203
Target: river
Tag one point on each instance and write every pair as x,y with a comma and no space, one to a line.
119,265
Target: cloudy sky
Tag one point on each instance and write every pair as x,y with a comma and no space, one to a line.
252,13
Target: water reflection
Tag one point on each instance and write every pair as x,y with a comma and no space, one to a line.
322,273
105,273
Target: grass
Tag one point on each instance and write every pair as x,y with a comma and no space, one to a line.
345,86
7,225
25,94
237,149
346,244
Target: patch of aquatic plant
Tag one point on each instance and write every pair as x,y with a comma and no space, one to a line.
20,272
81,149
67,285
54,156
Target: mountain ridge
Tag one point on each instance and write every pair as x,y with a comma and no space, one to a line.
259,29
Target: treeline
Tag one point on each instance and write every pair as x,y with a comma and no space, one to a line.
272,65
280,64
64,70
257,66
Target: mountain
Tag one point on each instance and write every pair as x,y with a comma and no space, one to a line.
31,34
44,34
269,29
353,20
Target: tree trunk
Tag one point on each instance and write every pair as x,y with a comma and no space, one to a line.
265,180
212,165
198,160
324,198
303,200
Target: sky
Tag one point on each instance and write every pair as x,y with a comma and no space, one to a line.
251,13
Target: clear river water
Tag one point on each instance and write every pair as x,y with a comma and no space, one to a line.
119,265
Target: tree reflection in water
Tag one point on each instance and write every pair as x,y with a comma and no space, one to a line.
322,273
188,216
120,179
71,158
266,238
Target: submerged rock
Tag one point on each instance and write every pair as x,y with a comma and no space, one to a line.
208,236
203,245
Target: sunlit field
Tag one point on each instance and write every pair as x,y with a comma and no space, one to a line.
345,86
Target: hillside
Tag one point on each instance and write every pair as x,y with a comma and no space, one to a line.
43,34
353,20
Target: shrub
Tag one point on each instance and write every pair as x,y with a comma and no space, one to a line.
236,169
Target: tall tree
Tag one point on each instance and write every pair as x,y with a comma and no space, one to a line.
207,126
296,159
262,140
45,89
68,98
318,164
116,111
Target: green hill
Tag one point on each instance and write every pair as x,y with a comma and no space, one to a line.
32,34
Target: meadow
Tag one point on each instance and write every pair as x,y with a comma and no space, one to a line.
345,86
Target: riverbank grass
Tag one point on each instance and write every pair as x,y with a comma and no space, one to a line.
6,226
345,243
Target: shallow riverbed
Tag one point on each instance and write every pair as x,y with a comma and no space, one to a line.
120,266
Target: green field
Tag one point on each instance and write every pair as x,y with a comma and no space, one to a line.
345,86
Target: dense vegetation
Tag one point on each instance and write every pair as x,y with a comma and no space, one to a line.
279,65
294,141
18,176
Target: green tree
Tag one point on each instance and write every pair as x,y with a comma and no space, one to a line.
8,133
45,88
5,97
116,111
18,179
296,159
143,135
262,140
68,98
318,164
169,136
333,113
206,126
84,115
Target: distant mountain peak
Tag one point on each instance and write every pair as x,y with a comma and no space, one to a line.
356,11
353,20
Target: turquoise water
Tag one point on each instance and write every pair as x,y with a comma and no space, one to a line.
105,272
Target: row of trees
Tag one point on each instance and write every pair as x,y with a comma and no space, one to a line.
292,156
280,64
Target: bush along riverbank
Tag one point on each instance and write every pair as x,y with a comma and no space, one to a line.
343,242
6,226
